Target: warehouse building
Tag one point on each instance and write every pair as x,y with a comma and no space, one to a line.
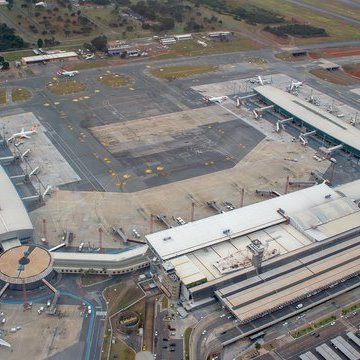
15,224
70,55
328,127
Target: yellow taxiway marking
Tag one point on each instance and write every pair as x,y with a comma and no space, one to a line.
148,171
126,176
119,184
108,161
159,168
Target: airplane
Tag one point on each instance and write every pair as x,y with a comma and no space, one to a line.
214,99
23,134
90,57
67,73
259,80
295,85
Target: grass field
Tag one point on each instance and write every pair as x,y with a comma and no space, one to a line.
182,71
2,96
20,94
16,55
338,77
187,334
337,29
351,309
121,295
192,48
122,351
63,87
91,279
113,80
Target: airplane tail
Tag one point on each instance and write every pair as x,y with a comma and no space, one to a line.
59,72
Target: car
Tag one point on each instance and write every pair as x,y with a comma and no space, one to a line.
299,306
156,333
180,221
223,315
172,350
204,332
317,335
229,317
164,347
172,334
285,323
332,323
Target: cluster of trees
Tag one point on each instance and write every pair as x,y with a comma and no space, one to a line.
297,30
4,65
255,15
8,39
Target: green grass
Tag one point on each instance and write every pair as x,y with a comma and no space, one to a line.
16,55
20,94
113,80
121,295
88,279
187,334
121,350
182,71
337,29
303,332
192,48
164,302
324,321
2,96
351,309
63,87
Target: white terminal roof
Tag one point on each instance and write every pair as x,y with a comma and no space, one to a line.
13,214
47,57
313,115
351,190
196,235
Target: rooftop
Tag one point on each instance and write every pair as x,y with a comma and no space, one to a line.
216,229
13,214
47,57
314,116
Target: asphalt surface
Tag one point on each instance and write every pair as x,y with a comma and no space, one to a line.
67,121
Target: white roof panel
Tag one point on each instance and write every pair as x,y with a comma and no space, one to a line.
196,235
313,115
13,214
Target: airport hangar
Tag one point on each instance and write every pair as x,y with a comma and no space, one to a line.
328,127
307,240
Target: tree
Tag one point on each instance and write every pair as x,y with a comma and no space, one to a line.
257,346
1,59
100,43
40,43
5,65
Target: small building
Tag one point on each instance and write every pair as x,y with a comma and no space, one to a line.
168,41
70,55
183,37
118,49
218,34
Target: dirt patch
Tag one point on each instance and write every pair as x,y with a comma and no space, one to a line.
2,96
335,52
352,69
337,77
149,322
64,87
19,94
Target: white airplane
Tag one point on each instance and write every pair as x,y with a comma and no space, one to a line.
23,134
259,80
295,85
90,57
214,99
67,73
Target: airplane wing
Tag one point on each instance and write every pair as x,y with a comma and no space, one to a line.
25,137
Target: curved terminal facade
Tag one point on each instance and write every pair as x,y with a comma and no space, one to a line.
26,265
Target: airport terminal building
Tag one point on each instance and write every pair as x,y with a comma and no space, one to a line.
328,127
15,224
266,255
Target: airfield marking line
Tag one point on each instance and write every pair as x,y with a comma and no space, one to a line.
72,156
